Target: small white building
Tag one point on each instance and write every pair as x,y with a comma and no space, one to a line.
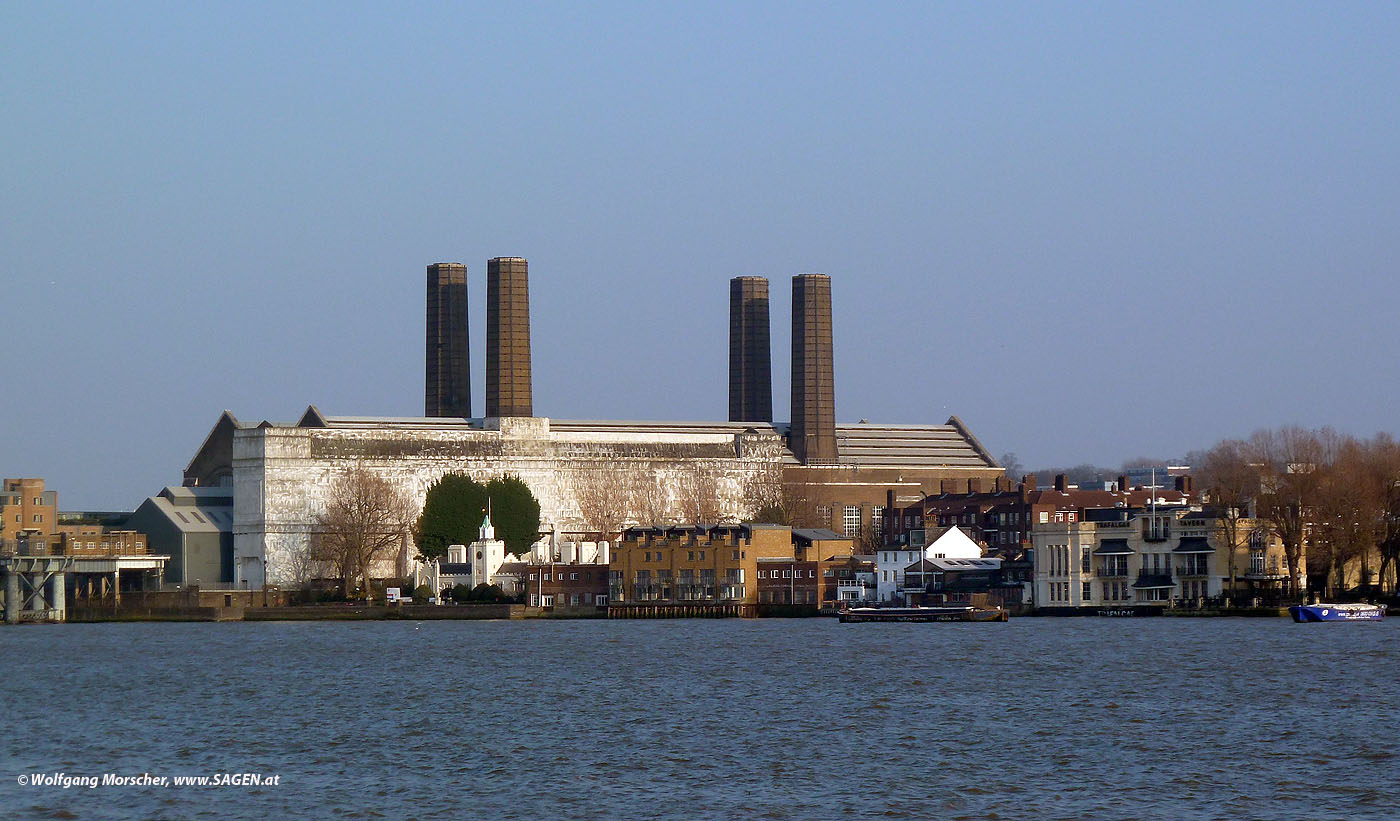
890,563
472,565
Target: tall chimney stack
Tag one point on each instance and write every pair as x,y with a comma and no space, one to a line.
813,382
508,337
750,353
447,388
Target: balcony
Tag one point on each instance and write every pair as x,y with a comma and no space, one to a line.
1154,578
1112,572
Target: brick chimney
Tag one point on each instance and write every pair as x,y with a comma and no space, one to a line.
447,387
1061,482
813,437
508,338
750,353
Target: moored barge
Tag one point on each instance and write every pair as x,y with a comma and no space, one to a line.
856,615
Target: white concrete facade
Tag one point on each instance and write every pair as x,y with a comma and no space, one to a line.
282,473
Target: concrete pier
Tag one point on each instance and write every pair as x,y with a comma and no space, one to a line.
34,587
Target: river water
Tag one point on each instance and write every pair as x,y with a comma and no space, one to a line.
773,719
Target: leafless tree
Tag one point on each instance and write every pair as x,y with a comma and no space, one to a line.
1383,464
649,499
366,520
770,495
1232,483
305,566
1348,510
604,495
697,490
1291,462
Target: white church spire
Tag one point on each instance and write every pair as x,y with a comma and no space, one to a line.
487,532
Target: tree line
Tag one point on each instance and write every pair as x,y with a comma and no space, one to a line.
1330,498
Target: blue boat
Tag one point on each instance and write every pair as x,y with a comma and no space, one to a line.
1337,612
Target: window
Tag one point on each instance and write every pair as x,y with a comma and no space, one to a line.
850,520
736,555
574,577
1044,517
646,557
38,517
877,520
1088,591
546,601
692,555
702,555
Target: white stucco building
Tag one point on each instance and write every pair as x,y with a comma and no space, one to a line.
282,473
890,564
1125,558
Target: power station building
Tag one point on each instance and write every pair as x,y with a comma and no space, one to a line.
590,477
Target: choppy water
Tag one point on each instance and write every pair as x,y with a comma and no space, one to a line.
774,719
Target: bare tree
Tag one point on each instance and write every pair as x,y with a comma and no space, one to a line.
770,495
1290,460
1232,483
366,520
1347,513
305,566
649,499
1382,462
604,495
697,490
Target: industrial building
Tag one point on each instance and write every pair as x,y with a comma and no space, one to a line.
841,477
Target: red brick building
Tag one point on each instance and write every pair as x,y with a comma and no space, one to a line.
557,585
1000,517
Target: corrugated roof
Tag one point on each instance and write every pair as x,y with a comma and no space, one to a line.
863,443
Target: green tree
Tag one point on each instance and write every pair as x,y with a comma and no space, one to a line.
451,514
515,513
487,593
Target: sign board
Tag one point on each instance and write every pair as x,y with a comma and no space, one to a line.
391,595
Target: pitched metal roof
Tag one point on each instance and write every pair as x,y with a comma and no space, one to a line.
875,445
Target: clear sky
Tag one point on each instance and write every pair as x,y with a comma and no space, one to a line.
1093,231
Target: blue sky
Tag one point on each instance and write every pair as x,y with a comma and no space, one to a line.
1093,231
